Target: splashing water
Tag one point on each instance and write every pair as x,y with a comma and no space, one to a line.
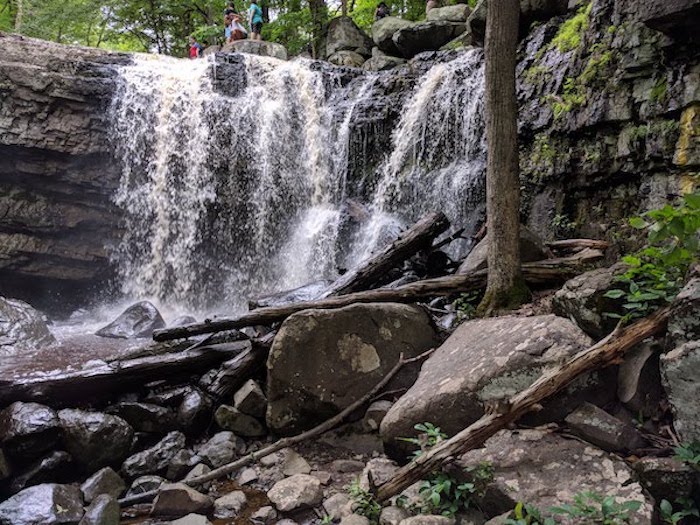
230,193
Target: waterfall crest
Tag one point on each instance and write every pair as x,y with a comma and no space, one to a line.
230,193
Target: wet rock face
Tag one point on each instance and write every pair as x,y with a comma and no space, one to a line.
55,169
256,47
28,429
354,348
22,327
48,504
139,320
154,460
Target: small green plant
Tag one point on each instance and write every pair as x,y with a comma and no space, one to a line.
689,453
687,509
429,436
656,273
562,225
326,520
364,503
569,35
524,514
466,305
595,508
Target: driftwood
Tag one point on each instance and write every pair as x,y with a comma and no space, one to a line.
289,441
119,375
543,272
575,245
418,237
605,353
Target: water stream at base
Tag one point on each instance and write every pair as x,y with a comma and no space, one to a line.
231,193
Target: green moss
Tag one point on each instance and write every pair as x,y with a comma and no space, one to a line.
659,92
537,75
499,300
570,32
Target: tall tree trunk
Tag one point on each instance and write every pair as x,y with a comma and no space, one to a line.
319,15
344,7
18,16
505,288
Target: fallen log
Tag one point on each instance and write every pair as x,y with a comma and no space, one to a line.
288,441
574,245
603,354
543,272
117,376
418,237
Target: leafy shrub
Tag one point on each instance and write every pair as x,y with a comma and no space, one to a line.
524,514
687,510
364,503
430,435
595,508
689,453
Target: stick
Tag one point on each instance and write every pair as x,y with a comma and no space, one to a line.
543,272
578,244
289,441
606,352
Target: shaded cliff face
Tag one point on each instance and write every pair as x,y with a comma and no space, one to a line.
56,170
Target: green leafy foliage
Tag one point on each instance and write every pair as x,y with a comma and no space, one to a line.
596,508
570,32
525,514
689,453
656,273
364,503
677,517
466,305
429,436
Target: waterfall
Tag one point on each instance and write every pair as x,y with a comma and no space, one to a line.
238,182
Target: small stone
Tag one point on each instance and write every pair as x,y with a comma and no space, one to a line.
324,477
178,499
294,464
596,426
199,470
250,399
393,515
338,506
230,505
354,519
145,484
287,522
274,458
104,481
145,417
192,519
264,515
375,414
181,463
296,492
380,470
154,460
104,510
347,465
43,504
194,411
28,429
426,519
247,475
222,448
229,418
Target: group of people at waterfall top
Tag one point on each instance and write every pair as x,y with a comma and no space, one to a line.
233,27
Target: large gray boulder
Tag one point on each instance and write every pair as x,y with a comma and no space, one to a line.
382,62
28,429
426,36
383,32
323,360
450,13
256,47
22,327
47,504
94,439
546,470
343,34
296,492
680,374
486,361
139,320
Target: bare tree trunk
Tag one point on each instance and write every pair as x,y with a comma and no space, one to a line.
319,15
344,7
505,287
19,15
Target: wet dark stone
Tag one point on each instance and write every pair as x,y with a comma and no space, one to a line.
55,467
28,429
194,412
145,417
139,320
48,504
156,459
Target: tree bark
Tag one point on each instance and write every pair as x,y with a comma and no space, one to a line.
19,15
319,15
599,356
418,237
544,272
505,288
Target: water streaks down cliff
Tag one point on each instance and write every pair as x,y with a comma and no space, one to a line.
265,174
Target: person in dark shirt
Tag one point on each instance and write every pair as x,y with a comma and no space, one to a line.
381,11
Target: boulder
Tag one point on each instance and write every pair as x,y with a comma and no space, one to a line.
177,499
104,510
250,399
230,505
307,292
583,300
427,519
393,515
145,417
22,327
665,478
338,506
200,470
450,13
194,411
680,375
426,36
256,47
139,320
596,426
183,320
677,18
154,460
353,349
293,464
230,418
545,470
104,481
347,59
192,519
377,471
382,63
264,515
342,34
48,504
383,31
639,379
247,475
94,439
222,448
181,463
28,429
54,467
486,361
296,492
532,248
145,484
684,326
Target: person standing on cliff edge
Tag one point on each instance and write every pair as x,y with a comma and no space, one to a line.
255,18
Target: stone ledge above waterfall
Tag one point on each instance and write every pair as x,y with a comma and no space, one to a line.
256,47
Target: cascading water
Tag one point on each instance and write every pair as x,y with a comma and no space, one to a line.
230,193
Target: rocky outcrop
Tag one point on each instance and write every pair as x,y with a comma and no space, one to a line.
426,36
343,34
56,169
256,47
353,349
383,31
